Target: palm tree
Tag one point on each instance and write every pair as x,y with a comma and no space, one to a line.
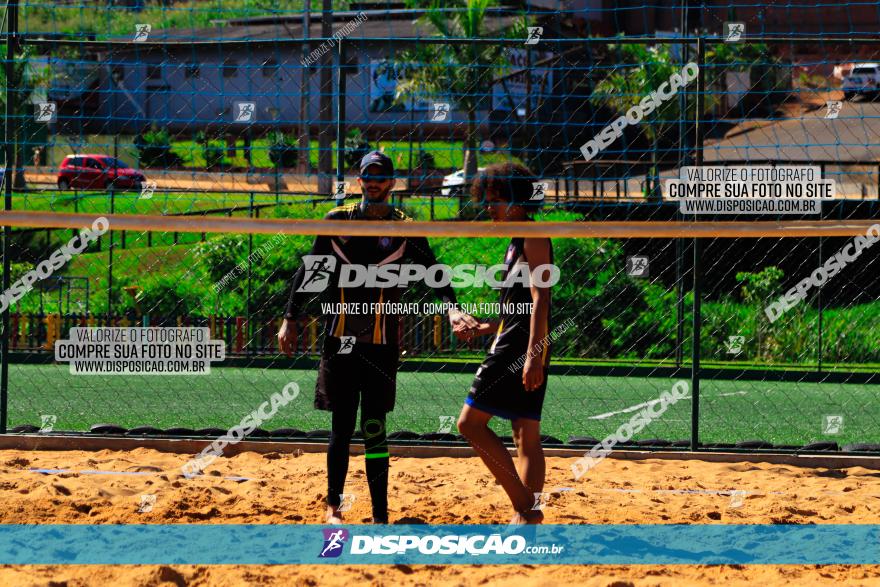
462,71
647,67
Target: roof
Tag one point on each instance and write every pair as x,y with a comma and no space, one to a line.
376,26
379,14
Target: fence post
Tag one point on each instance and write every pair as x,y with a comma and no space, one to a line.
9,139
820,309
249,264
697,318
110,260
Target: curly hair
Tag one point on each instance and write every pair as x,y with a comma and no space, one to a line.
512,182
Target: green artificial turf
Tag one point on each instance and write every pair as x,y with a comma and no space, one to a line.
730,411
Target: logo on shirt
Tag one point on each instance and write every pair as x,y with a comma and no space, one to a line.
511,251
346,345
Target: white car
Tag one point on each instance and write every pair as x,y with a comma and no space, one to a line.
452,183
863,79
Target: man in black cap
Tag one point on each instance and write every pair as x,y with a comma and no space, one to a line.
360,351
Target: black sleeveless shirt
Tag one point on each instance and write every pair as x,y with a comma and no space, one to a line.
516,305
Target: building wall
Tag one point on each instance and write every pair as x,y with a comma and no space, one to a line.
169,95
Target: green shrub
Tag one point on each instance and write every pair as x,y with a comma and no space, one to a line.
356,146
163,298
283,150
154,149
426,160
212,151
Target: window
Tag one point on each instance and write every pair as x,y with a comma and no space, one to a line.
154,72
93,164
270,68
192,71
229,68
118,73
116,163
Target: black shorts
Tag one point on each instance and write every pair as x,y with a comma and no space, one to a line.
369,369
499,391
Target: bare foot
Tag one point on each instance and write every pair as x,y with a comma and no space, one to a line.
534,517
334,516
527,517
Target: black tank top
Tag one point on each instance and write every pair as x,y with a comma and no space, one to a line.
516,301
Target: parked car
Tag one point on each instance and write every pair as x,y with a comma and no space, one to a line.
97,172
452,183
864,79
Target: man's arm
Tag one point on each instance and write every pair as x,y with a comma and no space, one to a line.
287,332
419,251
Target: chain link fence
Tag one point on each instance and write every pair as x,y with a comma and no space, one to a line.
263,115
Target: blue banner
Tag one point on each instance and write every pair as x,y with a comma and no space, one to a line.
422,544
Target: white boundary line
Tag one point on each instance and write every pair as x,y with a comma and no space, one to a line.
651,403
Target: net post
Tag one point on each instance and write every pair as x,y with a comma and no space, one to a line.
683,160
340,115
697,318
9,138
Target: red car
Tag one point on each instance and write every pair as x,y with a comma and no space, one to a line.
97,172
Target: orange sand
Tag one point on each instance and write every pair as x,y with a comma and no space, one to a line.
289,488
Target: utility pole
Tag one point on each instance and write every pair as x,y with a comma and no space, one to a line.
304,163
325,136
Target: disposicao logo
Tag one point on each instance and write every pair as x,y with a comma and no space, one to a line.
334,540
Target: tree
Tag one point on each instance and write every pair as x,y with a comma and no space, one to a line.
21,87
646,68
461,71
757,291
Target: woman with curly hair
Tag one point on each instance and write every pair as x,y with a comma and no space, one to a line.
511,381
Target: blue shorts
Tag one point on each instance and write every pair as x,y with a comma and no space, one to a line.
499,391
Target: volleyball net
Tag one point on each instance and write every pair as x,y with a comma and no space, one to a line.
783,314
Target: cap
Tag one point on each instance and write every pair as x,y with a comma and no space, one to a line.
378,158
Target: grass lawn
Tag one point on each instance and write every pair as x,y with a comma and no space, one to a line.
117,21
781,413
447,154
162,202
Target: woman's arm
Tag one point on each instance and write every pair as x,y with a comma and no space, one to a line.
537,253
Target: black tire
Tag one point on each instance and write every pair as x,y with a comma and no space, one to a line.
63,185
